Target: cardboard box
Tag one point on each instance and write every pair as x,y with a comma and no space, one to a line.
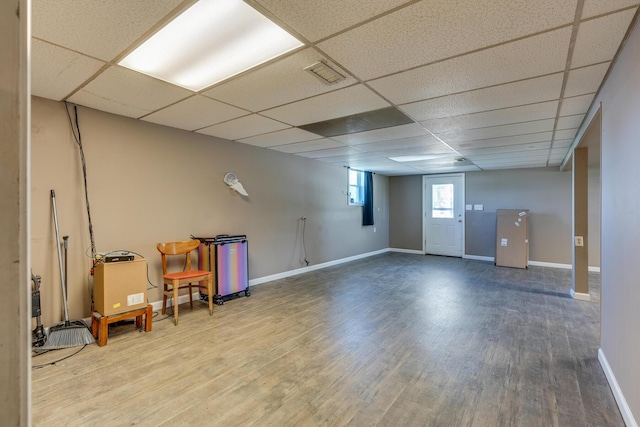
119,287
512,238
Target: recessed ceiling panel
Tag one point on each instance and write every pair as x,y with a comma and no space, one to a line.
195,113
585,80
436,30
318,19
102,29
281,137
543,110
531,57
314,145
531,91
599,7
386,120
340,103
278,83
498,131
598,39
56,72
244,127
127,93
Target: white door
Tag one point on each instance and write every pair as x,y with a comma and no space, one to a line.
443,215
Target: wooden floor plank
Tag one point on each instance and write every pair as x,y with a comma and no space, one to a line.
394,339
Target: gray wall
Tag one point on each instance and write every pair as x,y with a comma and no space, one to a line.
620,98
545,192
405,217
150,183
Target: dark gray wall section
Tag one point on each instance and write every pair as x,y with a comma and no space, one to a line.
405,212
546,192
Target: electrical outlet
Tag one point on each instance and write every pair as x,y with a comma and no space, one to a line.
579,241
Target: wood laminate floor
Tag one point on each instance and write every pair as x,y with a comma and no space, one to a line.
390,340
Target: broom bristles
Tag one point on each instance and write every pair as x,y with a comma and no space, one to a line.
68,334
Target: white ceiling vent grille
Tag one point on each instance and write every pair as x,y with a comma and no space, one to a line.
324,72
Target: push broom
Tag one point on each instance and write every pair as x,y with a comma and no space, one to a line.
70,333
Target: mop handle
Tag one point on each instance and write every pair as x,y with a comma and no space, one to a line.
64,292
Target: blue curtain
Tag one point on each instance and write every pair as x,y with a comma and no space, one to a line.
367,208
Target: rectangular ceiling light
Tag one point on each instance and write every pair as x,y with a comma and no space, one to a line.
210,42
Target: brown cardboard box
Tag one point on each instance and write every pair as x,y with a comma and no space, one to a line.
120,286
512,238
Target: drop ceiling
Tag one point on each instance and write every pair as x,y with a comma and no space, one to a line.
484,85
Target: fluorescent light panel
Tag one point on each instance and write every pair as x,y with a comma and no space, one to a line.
210,42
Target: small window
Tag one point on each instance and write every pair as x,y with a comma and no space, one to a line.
355,187
442,201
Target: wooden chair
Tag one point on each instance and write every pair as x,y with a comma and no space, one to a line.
173,282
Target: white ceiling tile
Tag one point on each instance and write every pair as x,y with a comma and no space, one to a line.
385,134
278,83
398,170
351,157
558,151
505,149
341,151
570,122
585,80
301,147
244,127
127,93
598,39
543,110
434,151
565,134
102,29
373,163
56,72
498,131
513,165
576,105
340,103
531,91
281,137
436,30
319,19
467,168
562,143
195,113
534,56
424,141
599,7
499,142
510,155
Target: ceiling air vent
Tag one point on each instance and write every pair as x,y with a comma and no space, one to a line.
324,72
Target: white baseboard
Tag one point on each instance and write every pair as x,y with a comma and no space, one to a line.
406,251
627,415
479,258
580,295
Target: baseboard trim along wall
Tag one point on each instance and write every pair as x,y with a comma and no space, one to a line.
534,263
617,392
406,251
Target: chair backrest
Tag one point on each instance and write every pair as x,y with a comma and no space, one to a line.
177,248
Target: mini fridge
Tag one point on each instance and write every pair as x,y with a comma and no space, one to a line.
227,257
512,238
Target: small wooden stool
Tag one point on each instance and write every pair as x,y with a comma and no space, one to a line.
100,323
